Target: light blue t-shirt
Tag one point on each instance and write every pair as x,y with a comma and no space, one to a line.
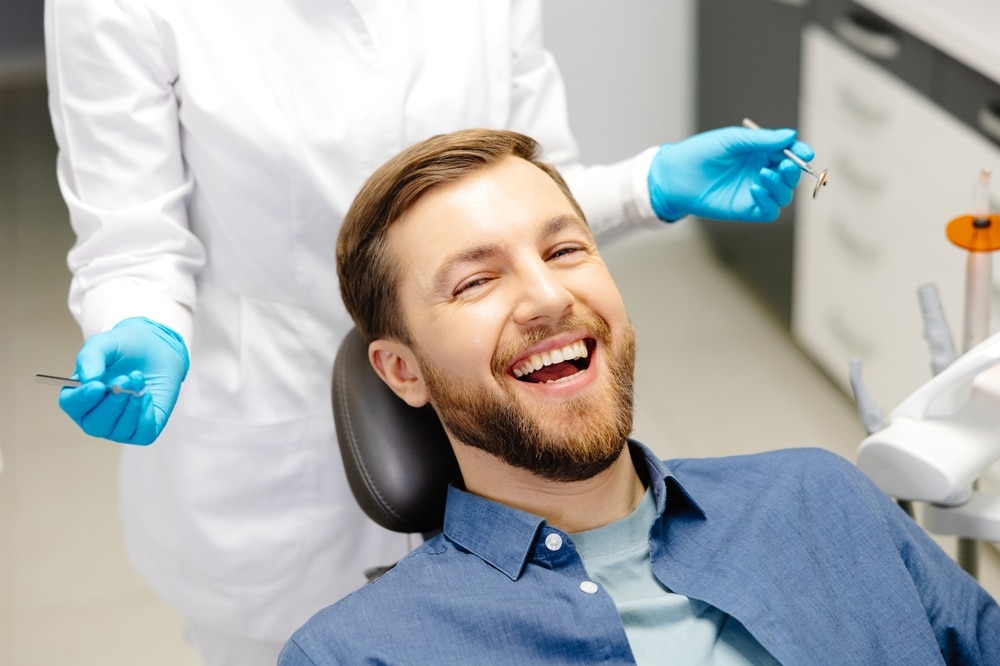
662,627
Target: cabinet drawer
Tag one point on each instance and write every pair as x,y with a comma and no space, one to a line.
874,315
891,48
867,107
972,98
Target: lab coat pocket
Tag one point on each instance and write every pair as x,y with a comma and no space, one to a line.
257,361
223,503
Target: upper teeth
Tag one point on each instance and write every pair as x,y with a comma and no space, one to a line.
570,352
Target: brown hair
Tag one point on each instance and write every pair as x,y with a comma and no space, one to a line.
368,274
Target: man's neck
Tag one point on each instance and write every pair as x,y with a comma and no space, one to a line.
570,506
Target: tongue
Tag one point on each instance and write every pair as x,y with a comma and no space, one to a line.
550,372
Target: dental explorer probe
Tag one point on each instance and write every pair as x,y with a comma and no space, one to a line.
67,382
799,162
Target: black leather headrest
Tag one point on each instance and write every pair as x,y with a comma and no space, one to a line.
398,459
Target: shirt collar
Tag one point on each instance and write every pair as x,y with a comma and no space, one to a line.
505,537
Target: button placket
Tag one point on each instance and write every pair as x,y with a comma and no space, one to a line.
554,543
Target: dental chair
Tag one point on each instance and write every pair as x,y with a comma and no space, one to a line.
398,459
931,449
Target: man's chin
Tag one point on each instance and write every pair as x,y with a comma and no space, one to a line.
575,461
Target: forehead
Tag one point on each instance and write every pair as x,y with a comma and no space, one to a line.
506,203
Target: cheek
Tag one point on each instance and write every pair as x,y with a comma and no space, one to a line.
601,293
619,308
462,343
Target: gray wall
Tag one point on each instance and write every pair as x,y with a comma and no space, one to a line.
20,25
21,34
629,70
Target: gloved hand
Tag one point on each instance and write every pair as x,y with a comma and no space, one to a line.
726,174
136,354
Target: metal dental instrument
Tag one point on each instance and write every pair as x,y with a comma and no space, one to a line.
802,164
66,382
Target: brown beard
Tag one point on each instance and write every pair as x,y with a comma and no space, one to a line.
505,428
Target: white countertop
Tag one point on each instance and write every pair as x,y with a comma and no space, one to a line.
966,30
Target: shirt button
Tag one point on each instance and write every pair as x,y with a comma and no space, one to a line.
553,542
588,586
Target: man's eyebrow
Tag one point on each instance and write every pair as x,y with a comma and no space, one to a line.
472,255
556,224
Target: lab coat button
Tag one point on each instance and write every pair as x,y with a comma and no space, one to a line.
588,586
553,542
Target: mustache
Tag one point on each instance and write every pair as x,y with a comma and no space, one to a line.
594,324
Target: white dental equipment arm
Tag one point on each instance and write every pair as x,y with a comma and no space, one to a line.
944,436
939,441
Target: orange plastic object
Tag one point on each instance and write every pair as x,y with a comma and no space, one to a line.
969,235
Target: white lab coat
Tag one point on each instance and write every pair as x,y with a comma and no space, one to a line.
208,150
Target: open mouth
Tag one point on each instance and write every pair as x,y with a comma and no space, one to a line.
556,364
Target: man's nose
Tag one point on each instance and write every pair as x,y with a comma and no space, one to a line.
542,295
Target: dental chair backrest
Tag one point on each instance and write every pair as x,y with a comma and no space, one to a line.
398,459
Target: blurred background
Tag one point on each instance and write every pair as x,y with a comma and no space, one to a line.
744,330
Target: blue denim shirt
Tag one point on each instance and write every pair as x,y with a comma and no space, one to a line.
816,562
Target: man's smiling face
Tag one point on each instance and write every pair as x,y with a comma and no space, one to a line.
522,342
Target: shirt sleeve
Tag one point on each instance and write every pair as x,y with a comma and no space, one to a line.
615,197
293,655
111,75
965,618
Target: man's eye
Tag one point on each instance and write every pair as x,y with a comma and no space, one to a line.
471,284
563,251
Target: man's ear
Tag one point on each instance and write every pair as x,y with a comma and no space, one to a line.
397,366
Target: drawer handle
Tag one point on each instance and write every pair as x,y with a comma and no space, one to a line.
854,243
855,342
860,181
868,36
988,118
867,112
793,3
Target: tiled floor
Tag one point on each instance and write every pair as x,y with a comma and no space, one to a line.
716,375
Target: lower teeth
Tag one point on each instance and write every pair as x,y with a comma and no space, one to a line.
562,379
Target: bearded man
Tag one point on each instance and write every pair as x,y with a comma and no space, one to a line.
470,270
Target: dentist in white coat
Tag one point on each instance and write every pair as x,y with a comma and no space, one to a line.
207,152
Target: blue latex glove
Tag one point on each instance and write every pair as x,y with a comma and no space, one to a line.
731,173
137,355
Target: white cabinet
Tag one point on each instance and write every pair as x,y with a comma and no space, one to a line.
900,169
